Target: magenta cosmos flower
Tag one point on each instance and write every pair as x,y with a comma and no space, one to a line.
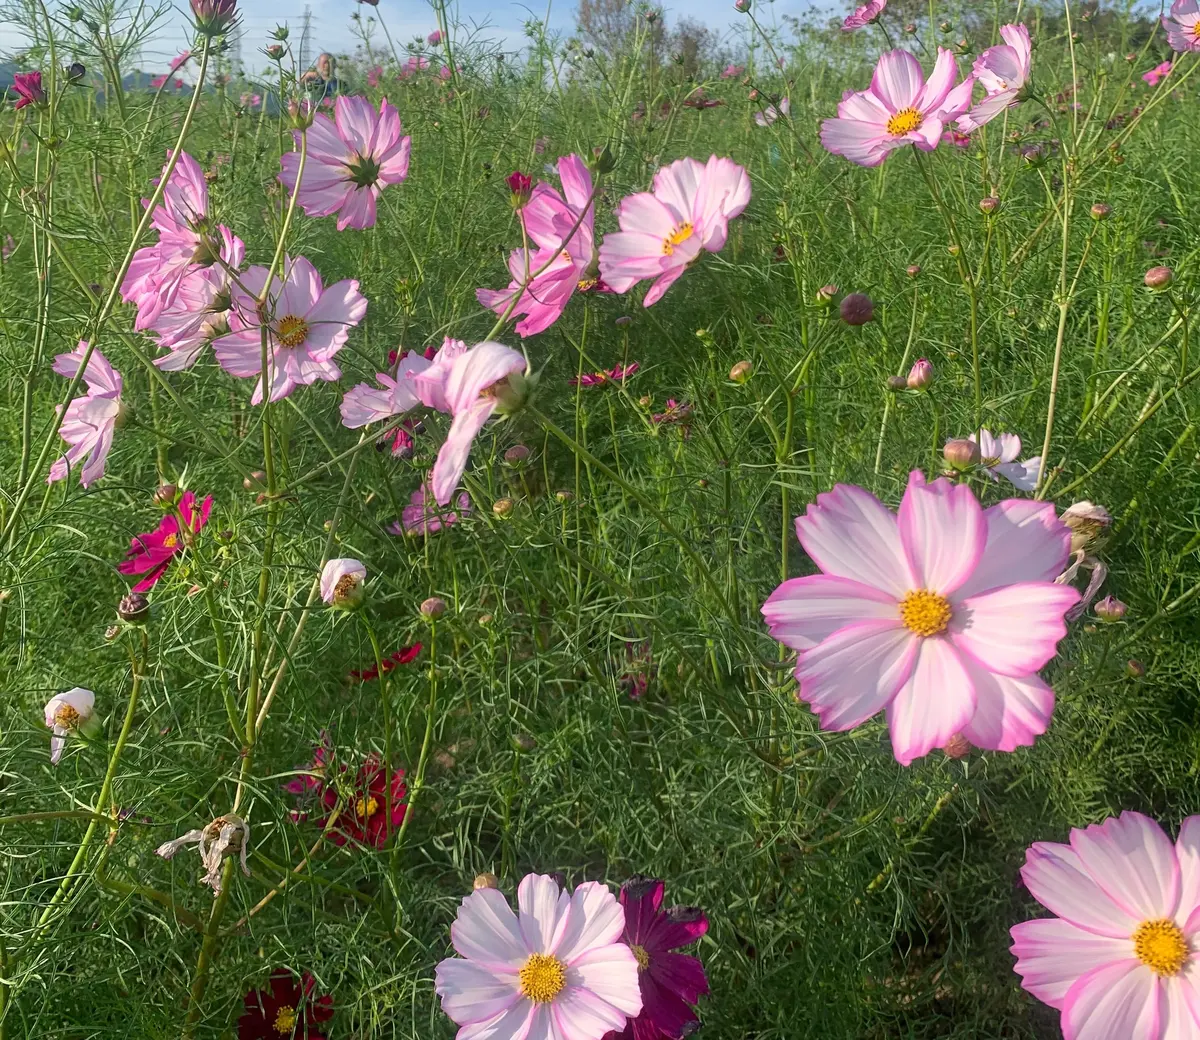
564,257
940,616
28,88
664,232
1183,25
1158,73
998,456
423,516
670,982
91,419
1120,958
865,15
151,553
307,327
557,969
900,107
1004,72
351,159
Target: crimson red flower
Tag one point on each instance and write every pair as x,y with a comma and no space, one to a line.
405,655
287,1008
364,817
617,374
151,553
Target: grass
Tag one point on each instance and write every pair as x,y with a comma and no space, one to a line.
848,897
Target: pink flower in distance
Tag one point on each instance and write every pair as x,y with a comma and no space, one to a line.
664,232
91,419
1004,72
669,982
1183,25
423,516
434,38
374,76
556,969
1156,74
998,456
487,377
899,108
1119,958
150,554
307,326
28,88
732,71
940,616
351,159
365,404
561,230
249,100
180,61
865,15
616,374
768,115
444,73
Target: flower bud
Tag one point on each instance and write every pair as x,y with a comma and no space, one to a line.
280,33
944,27
343,583
166,495
857,309
76,71
564,495
134,609
517,456
920,375
1110,609
1134,668
433,608
1159,277
1087,522
623,321
961,453
989,205
957,747
213,17
910,28
954,249
485,881
742,6
525,742
257,481
276,51
502,508
521,187
825,295
1101,211
913,270
741,372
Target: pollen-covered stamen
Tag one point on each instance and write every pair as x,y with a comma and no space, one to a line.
643,958
364,171
542,978
291,331
285,1020
365,808
925,612
587,284
66,716
676,238
904,122
1161,946
345,587
170,541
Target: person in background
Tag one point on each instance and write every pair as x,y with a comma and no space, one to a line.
321,81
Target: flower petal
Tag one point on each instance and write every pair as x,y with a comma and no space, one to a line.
517,1023
611,973
1116,1002
1187,852
943,532
1025,542
803,611
486,930
471,992
1057,878
898,79
544,910
1052,954
1009,712
595,919
936,703
1013,630
578,1012
1134,862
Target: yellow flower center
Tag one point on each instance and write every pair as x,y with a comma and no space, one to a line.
676,238
344,589
904,122
925,612
170,542
366,808
285,1020
643,958
66,716
586,284
292,331
1160,946
542,978
1196,30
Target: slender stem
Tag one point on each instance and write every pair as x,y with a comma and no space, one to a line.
387,719
418,783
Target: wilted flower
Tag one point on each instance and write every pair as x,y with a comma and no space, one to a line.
342,583
676,411
227,835
65,714
1087,522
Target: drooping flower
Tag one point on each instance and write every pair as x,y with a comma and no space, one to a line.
899,108
732,71
422,515
865,15
616,374
665,231
363,817
66,713
1004,72
769,114
91,419
940,616
1159,72
475,384
150,554
564,260
1183,25
670,982
285,1010
998,457
351,159
556,969
1088,523
28,88
342,582
405,655
227,835
676,411
364,404
1119,958
306,327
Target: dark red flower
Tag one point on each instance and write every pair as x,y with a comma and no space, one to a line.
286,1009
521,186
364,817
406,655
670,982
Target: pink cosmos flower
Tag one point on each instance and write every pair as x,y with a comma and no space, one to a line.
8,247
900,107
768,115
430,384
561,230
558,969
1119,958
343,582
1156,74
865,15
998,458
940,616
1004,72
249,100
434,38
198,314
180,61
374,76
664,232
669,981
65,713
365,404
28,88
307,325
732,71
413,65
351,159
151,553
422,515
676,411
487,377
1183,26
90,420
954,137
617,374
444,73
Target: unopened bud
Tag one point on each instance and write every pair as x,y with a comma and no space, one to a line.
166,495
276,51
944,27
989,205
857,309
1134,668
517,455
742,6
134,609
920,375
954,249
1159,277
910,28
256,481
485,881
1101,211
957,747
913,270
564,495
521,187
623,321
502,507
525,742
433,608
961,453
825,295
741,372
76,71
1110,609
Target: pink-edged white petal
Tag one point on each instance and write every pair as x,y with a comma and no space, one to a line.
943,532
579,1013
595,919
898,80
1187,853
1179,1009
611,973
1134,862
544,909
1115,1002
803,611
1009,712
1057,878
1053,954
1013,630
486,930
936,703
1025,542
473,992
525,1020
